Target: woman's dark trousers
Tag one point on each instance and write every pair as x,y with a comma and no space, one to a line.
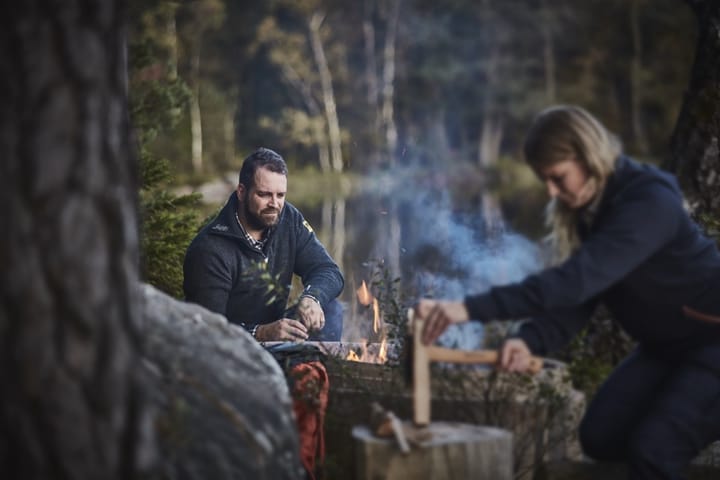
655,413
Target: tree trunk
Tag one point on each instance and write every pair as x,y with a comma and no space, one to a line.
229,132
490,139
695,156
636,83
291,76
492,126
333,222
328,95
171,28
371,82
369,51
195,114
546,30
72,406
388,83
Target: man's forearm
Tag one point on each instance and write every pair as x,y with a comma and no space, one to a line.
324,286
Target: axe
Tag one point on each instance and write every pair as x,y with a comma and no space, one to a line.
419,357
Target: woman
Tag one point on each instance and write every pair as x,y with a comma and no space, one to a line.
622,238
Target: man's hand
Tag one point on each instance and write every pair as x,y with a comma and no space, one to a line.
284,329
438,315
514,356
311,314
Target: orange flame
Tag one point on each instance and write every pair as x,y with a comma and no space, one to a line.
376,316
363,294
369,352
382,354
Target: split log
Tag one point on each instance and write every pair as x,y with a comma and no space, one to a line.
447,450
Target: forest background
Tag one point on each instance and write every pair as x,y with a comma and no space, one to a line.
351,92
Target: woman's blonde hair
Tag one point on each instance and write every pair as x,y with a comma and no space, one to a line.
561,133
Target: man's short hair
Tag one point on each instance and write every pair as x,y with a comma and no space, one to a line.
261,158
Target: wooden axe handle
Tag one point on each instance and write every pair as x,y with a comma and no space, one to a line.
490,357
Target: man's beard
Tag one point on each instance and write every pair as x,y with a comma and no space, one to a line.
258,222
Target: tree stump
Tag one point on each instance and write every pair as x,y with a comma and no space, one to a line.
447,451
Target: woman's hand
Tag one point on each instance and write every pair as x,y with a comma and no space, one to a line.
514,356
438,315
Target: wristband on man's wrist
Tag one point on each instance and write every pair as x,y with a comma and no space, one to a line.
311,297
253,330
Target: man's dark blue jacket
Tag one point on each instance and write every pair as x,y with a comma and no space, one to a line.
642,256
227,275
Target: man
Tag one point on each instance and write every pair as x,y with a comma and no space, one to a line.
241,264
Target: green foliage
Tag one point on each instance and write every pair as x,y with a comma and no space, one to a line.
273,287
157,96
169,221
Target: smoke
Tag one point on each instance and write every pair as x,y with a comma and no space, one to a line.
457,253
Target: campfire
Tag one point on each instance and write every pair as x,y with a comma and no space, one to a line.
368,351
370,343
364,352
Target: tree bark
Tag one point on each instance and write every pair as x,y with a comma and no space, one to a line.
695,156
72,406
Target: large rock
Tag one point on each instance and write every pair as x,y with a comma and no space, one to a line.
223,410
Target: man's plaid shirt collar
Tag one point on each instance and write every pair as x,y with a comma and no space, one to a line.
258,244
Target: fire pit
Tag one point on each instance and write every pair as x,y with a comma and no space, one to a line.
362,352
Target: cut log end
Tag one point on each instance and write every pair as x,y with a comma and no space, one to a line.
442,450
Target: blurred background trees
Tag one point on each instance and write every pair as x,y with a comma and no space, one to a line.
367,88
351,85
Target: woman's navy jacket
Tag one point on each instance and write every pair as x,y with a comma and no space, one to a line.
643,257
227,275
